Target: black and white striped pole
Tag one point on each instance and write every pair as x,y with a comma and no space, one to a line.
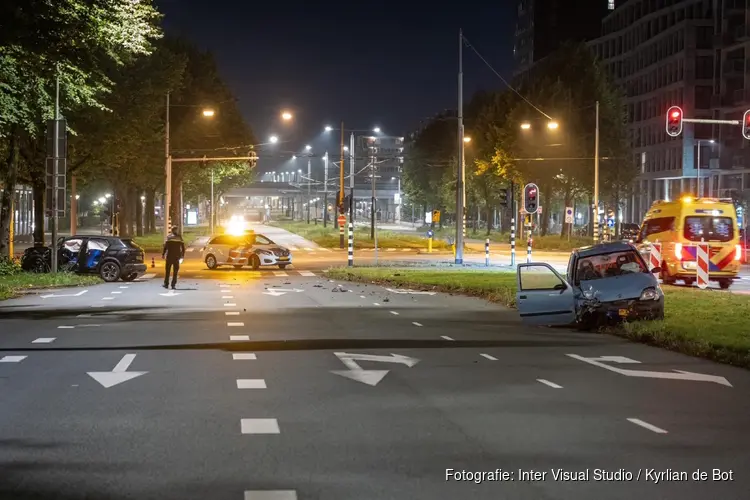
351,244
513,242
487,252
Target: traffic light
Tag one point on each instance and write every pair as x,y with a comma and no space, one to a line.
504,198
253,161
674,121
531,198
746,125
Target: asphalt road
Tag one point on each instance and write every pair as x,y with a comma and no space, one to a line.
256,386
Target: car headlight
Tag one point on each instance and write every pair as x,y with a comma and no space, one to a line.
264,252
649,294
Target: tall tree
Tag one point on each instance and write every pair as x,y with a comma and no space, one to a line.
79,40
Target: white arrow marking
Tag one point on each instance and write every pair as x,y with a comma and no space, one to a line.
274,293
170,293
369,377
409,290
680,375
64,295
614,359
119,373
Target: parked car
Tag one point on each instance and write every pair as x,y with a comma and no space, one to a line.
629,231
111,257
247,249
605,283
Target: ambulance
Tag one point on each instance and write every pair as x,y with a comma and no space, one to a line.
680,225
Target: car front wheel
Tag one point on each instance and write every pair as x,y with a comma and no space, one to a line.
725,284
255,262
211,262
110,272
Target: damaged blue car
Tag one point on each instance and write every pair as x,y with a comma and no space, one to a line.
605,284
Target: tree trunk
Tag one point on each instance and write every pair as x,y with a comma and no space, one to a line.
133,202
489,218
138,214
39,190
8,180
150,211
544,216
176,202
121,209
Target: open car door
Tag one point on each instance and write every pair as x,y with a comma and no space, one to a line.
544,297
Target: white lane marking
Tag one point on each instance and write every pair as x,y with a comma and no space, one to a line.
44,340
148,276
445,337
309,249
85,316
251,383
224,285
375,304
230,304
306,273
227,296
232,313
235,324
190,249
239,337
108,298
115,293
12,359
270,495
259,426
416,324
243,356
362,297
88,326
98,305
66,327
393,312
491,358
547,382
124,363
648,426
280,273
123,287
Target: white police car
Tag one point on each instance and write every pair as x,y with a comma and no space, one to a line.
248,249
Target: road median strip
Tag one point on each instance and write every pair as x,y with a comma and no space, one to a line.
703,323
23,283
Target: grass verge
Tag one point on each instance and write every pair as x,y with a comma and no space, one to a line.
153,242
551,242
328,237
13,285
703,323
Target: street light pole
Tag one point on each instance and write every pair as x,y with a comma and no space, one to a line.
372,203
352,165
55,173
167,176
596,177
460,196
308,189
325,189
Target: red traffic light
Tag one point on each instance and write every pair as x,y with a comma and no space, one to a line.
746,125
674,121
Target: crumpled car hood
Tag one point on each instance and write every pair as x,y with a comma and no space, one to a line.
627,286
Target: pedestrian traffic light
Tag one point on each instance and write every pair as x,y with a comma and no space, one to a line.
674,121
531,198
746,125
503,195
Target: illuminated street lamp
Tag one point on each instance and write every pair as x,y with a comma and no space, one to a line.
525,126
286,116
308,147
328,128
208,113
273,139
552,125
376,130
467,139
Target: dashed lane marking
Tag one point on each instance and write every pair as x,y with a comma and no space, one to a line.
491,358
259,426
416,324
243,356
115,292
280,273
232,313
306,273
376,304
68,327
271,495
44,340
547,382
235,324
12,359
445,337
251,383
227,296
108,298
362,297
393,312
124,287
239,337
230,304
648,426
148,276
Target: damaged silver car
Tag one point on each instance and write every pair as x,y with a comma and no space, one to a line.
605,284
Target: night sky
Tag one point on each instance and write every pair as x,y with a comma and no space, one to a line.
389,64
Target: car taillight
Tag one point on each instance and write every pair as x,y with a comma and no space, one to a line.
738,252
678,251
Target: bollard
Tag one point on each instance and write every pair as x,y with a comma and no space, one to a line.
528,250
453,246
487,252
702,264
351,244
153,264
429,244
513,242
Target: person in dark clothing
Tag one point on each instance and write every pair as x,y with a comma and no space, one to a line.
173,252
